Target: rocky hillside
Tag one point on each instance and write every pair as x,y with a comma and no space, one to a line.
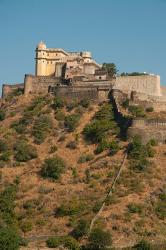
58,162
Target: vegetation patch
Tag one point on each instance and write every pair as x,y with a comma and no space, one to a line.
2,114
24,152
41,128
85,157
53,168
72,121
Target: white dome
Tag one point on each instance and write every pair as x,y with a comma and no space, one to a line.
41,45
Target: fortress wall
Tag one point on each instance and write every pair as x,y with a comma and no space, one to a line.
8,89
38,84
157,106
148,129
147,134
147,84
77,93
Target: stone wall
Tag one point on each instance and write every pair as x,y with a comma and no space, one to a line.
39,84
9,89
148,129
76,93
98,90
147,84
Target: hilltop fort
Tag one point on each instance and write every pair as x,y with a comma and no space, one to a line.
76,75
72,73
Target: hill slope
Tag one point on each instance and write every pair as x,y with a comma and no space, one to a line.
37,128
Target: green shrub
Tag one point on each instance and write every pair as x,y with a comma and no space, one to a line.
102,122
58,103
26,226
85,157
105,113
139,165
70,208
23,242
162,196
100,239
2,115
70,106
7,204
143,245
103,145
3,146
149,109
53,242
85,103
74,173
35,109
19,126
113,147
12,113
125,103
70,243
30,204
41,128
5,156
134,208
60,115
24,152
137,111
53,168
87,175
9,238
153,142
80,110
150,151
96,130
137,150
81,229
160,208
53,149
71,122
139,153
97,206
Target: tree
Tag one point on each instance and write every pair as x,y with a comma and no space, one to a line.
9,239
24,151
110,68
81,229
2,115
100,239
58,102
71,122
41,128
53,167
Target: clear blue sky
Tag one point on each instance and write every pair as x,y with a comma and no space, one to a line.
130,33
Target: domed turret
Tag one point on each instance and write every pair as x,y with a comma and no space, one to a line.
41,45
